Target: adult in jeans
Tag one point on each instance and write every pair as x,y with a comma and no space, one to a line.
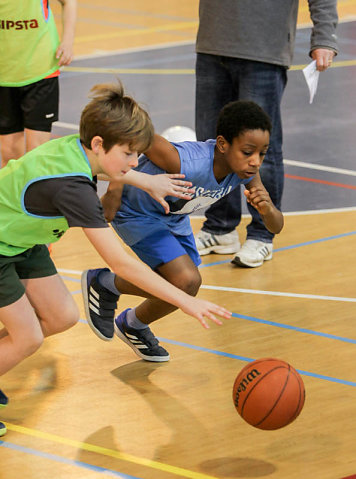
244,50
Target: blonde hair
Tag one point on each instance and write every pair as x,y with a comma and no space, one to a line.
117,118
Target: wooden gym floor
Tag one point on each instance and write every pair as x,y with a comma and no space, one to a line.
83,408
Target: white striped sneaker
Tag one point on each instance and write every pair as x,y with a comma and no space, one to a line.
221,244
253,253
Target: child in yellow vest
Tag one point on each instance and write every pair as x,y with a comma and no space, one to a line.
30,56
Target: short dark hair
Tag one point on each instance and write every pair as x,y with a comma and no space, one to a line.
238,116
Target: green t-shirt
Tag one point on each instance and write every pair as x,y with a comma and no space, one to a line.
20,229
28,42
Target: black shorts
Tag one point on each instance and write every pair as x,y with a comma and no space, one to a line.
33,106
32,263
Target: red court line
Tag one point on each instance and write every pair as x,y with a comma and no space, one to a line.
324,182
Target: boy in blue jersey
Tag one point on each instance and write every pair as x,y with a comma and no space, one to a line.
51,189
165,242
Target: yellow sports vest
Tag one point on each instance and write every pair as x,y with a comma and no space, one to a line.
28,42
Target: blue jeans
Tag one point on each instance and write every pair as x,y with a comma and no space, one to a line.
220,80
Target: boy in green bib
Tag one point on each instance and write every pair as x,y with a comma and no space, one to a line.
51,189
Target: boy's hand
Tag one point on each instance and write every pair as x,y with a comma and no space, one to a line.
164,185
64,54
259,198
201,309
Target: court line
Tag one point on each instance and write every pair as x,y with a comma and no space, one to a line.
269,323
347,209
315,166
298,245
173,71
295,328
138,31
64,460
278,293
323,182
243,358
108,452
237,290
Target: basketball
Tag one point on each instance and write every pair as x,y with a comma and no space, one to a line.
179,133
268,393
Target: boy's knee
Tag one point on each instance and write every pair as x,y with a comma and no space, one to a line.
189,282
68,318
32,343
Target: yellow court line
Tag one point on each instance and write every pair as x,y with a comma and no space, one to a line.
342,63
136,71
174,71
109,452
141,31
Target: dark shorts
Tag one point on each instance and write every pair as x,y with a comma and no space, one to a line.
32,263
162,247
33,106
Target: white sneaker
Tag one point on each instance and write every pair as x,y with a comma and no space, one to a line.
253,253
222,244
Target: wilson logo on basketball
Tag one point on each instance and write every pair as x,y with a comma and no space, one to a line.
18,24
244,383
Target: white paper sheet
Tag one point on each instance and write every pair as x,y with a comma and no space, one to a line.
311,75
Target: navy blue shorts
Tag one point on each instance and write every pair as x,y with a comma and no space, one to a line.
162,247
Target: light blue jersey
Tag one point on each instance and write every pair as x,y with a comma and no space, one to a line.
140,215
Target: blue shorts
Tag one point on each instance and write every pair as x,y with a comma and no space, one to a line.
162,247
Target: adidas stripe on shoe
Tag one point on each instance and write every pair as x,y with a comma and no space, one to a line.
221,244
253,253
99,304
142,341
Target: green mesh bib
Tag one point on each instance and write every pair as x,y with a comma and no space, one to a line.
28,42
21,230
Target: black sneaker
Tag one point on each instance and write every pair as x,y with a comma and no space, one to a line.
99,304
142,341
3,402
3,399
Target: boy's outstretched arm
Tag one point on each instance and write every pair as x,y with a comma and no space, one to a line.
157,186
163,154
107,244
257,195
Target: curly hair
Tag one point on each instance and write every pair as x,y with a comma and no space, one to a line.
238,116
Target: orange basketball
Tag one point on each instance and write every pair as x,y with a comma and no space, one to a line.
268,393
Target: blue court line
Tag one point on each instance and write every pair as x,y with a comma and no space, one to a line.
69,278
294,328
64,460
270,323
243,358
298,245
